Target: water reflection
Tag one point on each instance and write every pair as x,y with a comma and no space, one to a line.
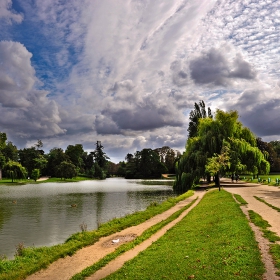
43,216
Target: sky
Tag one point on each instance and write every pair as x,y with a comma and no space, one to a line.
128,72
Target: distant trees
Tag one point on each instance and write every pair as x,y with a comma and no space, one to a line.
221,144
66,170
15,170
148,163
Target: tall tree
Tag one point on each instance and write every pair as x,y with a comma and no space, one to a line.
100,156
55,157
198,113
75,154
3,139
213,135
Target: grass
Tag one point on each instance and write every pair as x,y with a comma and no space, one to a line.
128,246
268,204
214,241
6,181
271,236
34,259
272,177
240,199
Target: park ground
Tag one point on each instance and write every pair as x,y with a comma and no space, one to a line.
67,267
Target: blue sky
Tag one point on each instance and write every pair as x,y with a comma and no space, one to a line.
127,73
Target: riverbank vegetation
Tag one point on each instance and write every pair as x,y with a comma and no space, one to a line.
31,260
214,241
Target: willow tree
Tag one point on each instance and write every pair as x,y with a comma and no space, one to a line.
213,135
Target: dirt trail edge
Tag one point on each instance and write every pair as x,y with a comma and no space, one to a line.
65,268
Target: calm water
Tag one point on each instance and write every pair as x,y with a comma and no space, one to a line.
41,215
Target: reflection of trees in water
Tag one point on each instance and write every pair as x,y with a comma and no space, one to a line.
100,196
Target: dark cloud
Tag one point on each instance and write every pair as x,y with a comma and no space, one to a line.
258,113
179,75
242,69
215,68
105,125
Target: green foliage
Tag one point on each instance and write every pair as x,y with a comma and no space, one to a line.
222,145
15,170
35,174
198,113
145,164
67,170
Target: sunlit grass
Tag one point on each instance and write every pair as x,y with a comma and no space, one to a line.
214,241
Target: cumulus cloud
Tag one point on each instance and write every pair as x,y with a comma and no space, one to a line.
215,68
33,114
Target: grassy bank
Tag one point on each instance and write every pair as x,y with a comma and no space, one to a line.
6,181
30,260
214,241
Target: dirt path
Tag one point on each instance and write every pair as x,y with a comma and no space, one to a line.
64,269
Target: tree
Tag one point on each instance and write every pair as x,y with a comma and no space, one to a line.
35,174
75,154
218,163
67,170
145,164
55,157
100,156
3,139
15,170
29,157
213,135
199,112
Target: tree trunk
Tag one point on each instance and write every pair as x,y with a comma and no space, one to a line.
217,181
0,174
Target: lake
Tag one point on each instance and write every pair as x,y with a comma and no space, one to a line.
43,214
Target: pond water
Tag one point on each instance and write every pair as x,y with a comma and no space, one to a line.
42,214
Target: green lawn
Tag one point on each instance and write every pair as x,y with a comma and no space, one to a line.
269,179
214,241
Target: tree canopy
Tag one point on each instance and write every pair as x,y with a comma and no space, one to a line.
217,138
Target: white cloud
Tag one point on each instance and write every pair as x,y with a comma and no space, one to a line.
7,14
33,114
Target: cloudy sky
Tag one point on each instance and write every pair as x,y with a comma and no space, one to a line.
127,72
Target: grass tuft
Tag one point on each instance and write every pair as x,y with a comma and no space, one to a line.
240,199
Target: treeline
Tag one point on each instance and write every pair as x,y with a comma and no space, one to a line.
33,162
147,163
